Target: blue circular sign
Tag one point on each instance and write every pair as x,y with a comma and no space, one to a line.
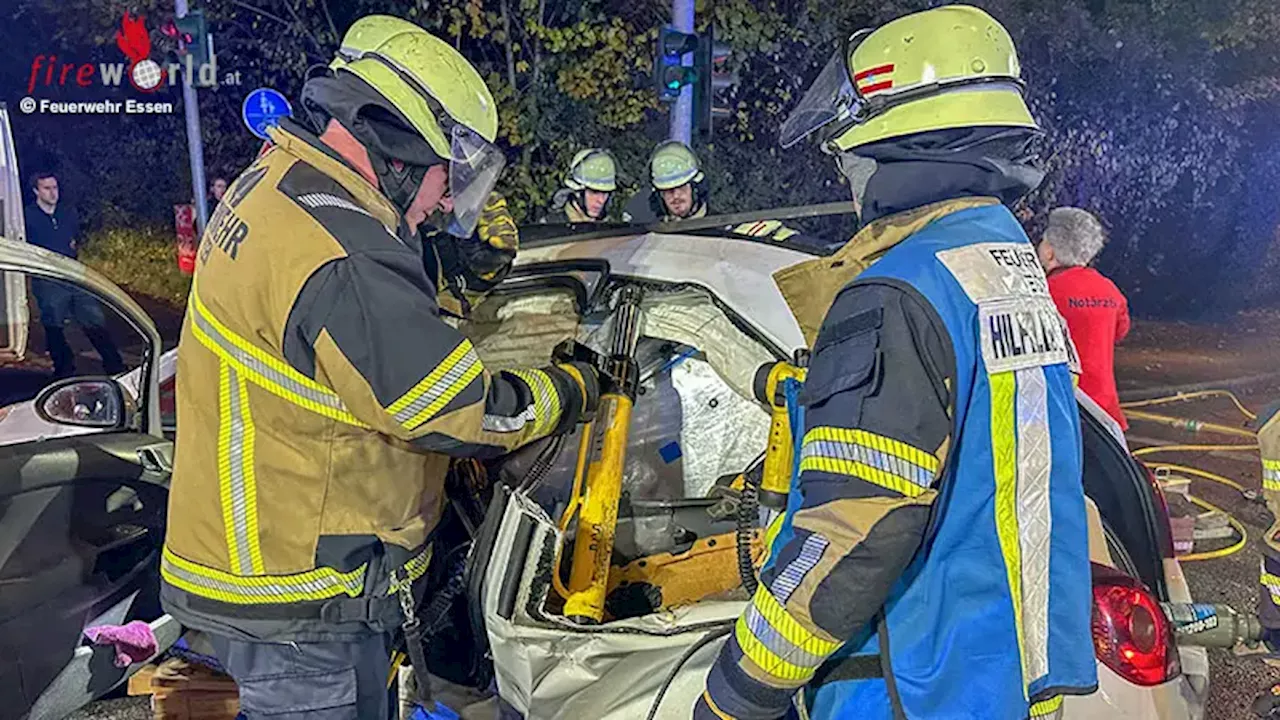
262,109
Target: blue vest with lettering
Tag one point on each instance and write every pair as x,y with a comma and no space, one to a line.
993,614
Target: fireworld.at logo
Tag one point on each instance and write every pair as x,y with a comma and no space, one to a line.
135,42
144,74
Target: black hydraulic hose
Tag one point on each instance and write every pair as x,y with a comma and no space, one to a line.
541,465
671,676
748,518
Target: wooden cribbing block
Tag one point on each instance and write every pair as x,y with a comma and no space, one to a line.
184,691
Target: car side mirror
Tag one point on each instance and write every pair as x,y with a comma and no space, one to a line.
95,402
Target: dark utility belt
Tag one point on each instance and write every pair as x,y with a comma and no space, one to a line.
383,610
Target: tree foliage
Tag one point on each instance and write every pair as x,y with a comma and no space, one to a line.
1159,114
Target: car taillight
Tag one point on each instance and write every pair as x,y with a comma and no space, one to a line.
1166,528
1131,634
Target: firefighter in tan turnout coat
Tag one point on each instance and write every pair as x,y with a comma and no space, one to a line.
320,394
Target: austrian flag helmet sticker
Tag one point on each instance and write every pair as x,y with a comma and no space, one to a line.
135,42
875,79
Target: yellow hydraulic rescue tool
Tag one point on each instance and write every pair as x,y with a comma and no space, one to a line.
604,449
674,578
703,571
779,458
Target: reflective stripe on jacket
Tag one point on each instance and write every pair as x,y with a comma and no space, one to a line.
319,398
770,229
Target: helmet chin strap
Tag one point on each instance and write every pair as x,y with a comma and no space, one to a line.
399,181
580,198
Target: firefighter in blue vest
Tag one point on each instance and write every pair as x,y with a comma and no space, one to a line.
933,559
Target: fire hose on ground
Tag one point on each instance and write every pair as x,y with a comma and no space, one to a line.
1194,425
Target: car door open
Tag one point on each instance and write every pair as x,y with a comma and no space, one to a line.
81,515
13,285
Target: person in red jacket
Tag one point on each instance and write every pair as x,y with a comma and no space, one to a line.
1096,311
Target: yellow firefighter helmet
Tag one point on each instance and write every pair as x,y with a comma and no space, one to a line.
593,169
441,95
673,164
949,67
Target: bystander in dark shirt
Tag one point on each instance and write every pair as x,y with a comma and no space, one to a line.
54,232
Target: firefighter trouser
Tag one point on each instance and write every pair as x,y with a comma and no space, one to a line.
310,681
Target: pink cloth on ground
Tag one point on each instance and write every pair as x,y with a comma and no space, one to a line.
133,642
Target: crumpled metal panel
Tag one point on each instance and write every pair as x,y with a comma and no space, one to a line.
690,317
521,331
560,671
696,419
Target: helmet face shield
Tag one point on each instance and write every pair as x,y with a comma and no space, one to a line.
474,167
831,102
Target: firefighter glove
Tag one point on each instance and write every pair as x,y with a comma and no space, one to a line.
500,241
580,394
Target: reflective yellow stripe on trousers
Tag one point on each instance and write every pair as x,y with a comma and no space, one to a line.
1271,582
1270,474
1022,460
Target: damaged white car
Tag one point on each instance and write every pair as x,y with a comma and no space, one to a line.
84,473
709,317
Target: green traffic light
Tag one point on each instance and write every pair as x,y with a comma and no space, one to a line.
674,84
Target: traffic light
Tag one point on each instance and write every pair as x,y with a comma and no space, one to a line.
714,83
192,33
669,72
